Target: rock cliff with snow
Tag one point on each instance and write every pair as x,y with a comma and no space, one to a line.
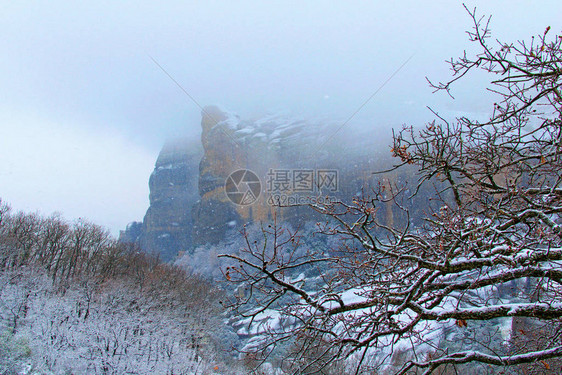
295,161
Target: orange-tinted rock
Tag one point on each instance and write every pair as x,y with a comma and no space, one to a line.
189,205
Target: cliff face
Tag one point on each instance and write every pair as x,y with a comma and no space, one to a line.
194,186
287,155
167,224
213,213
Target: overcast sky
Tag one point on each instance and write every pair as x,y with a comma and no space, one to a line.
84,110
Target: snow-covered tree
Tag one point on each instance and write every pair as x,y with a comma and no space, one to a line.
74,300
478,286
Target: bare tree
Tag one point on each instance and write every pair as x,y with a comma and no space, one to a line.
479,284
74,299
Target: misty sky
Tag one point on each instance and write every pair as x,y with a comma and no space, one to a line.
84,110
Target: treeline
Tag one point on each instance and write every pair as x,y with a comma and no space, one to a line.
68,251
86,302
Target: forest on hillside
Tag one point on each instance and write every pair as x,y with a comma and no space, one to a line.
75,300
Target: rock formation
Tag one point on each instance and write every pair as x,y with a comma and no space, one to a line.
214,213
189,204
167,225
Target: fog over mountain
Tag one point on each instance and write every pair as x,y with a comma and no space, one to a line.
84,109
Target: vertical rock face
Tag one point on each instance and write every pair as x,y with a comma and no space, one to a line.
167,225
213,212
189,205
274,142
231,144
